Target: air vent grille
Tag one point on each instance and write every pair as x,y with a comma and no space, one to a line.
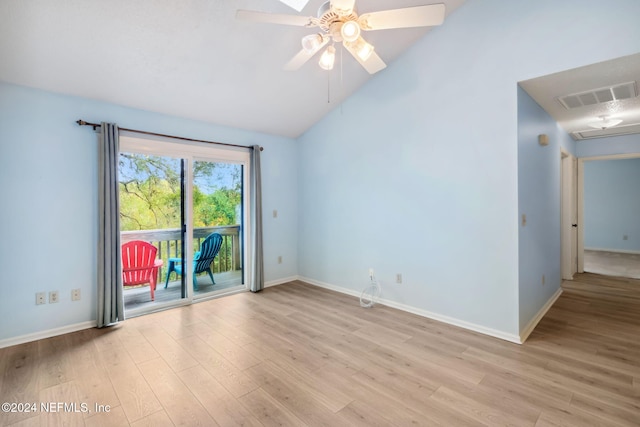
600,96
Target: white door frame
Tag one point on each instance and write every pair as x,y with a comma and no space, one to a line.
569,236
580,211
191,151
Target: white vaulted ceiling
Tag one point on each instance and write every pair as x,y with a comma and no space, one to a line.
189,59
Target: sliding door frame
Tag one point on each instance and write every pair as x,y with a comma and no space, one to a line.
190,152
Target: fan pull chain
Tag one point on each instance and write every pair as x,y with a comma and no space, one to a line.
341,79
329,87
329,73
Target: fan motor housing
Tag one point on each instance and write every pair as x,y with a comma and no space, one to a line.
330,22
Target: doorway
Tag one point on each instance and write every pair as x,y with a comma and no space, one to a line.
569,215
190,201
609,202
152,210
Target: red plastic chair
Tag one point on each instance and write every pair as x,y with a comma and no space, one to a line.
139,265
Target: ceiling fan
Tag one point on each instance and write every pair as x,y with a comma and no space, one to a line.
339,21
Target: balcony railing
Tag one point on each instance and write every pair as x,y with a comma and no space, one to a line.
169,243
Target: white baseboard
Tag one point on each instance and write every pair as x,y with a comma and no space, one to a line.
280,281
329,286
420,312
524,334
409,309
8,342
47,334
615,251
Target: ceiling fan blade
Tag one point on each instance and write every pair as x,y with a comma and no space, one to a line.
342,7
419,16
303,56
373,64
274,18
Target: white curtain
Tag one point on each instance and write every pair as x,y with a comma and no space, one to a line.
257,279
110,296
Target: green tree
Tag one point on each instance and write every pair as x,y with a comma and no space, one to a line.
150,192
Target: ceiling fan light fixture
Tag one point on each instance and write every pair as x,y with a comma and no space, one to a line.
361,48
605,122
350,31
312,42
338,21
328,58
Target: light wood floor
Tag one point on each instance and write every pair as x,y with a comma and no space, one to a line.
298,355
612,263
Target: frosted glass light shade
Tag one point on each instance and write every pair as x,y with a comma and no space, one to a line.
605,123
361,48
328,58
311,43
350,31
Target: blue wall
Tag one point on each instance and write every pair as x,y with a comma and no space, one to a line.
626,144
539,199
612,204
48,218
417,173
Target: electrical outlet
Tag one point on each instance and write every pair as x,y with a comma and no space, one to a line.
524,219
275,213
625,237
544,280
53,297
280,259
75,295
41,298
398,278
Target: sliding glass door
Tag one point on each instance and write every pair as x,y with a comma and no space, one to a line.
151,211
218,217
189,201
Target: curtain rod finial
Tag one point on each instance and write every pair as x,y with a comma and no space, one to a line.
84,123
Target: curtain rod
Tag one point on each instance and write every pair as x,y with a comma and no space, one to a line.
97,125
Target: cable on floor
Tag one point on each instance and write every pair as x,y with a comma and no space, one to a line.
370,293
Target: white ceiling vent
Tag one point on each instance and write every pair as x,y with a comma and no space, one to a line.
612,131
599,96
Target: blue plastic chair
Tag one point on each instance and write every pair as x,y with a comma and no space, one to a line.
201,260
